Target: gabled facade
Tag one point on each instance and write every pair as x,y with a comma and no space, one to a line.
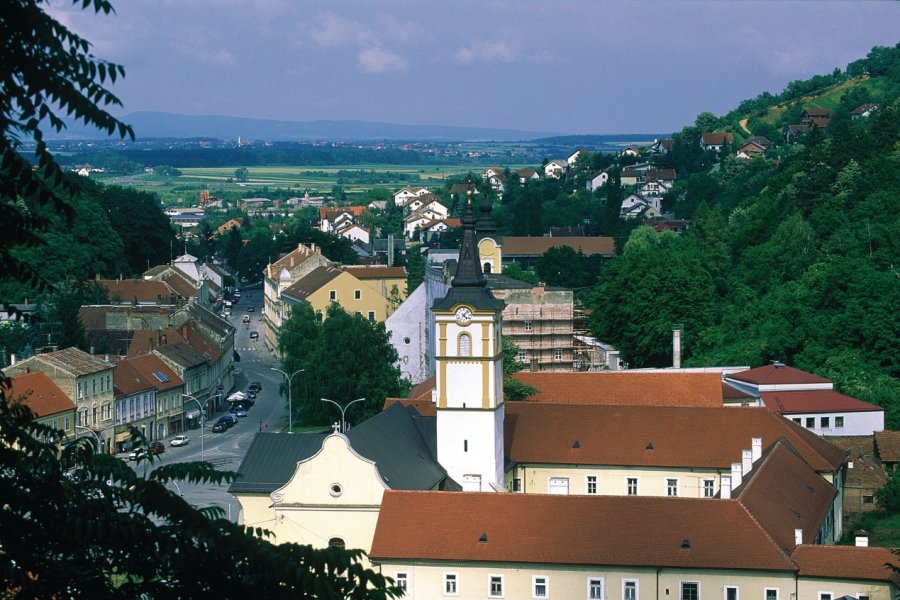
555,168
50,405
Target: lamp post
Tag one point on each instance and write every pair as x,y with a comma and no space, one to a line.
202,408
289,380
343,410
93,433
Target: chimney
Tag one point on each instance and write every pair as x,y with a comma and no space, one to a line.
184,331
159,337
757,448
862,538
746,461
92,351
725,488
12,359
676,347
798,536
736,475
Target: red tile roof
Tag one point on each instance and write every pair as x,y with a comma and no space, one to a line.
127,380
770,374
539,433
41,395
888,445
142,290
846,562
538,245
572,530
626,388
814,401
423,390
424,407
717,138
732,393
784,493
148,364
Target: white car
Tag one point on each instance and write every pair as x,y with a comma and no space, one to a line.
180,440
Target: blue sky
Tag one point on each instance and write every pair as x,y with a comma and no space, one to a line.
575,66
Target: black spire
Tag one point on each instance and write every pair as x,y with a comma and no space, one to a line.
485,224
468,267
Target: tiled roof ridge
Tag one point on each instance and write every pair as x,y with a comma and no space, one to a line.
801,433
771,540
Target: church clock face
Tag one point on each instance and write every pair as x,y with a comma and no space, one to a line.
463,315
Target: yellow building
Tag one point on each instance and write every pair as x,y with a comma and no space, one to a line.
50,405
325,285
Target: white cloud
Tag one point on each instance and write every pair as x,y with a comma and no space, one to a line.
491,52
379,60
334,30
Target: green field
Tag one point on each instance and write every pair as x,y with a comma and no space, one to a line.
314,179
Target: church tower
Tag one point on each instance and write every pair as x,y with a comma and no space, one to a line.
469,364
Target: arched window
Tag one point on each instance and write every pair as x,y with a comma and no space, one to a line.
336,542
487,268
465,344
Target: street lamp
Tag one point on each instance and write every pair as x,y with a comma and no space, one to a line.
93,433
289,380
343,410
202,408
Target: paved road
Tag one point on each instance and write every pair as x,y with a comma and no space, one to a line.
226,450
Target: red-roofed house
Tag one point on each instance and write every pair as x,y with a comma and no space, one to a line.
49,404
808,400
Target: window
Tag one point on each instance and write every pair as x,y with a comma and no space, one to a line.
771,594
862,597
67,423
595,588
709,488
465,445
559,485
517,484
629,589
540,588
825,596
731,592
839,421
336,542
824,422
631,486
357,294
332,294
495,586
591,484
671,487
690,590
810,422
465,344
529,325
798,421
868,499
557,354
401,580
450,584
371,316
93,385
520,355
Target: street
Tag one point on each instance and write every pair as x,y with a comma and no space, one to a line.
226,450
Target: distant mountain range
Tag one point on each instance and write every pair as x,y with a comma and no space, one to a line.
167,125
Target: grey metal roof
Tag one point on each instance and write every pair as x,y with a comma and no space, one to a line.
271,461
394,441
398,440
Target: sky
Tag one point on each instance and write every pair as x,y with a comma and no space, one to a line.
571,66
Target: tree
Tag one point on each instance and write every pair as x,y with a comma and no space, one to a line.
47,71
144,229
114,534
242,174
513,389
343,358
415,270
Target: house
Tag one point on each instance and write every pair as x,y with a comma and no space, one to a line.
403,194
496,178
750,150
816,117
808,400
863,111
527,250
887,448
636,205
631,151
662,146
434,205
138,291
325,285
167,396
596,181
229,225
714,140
652,188
387,281
796,130
354,233
331,219
415,221
50,405
462,189
527,174
573,158
760,140
555,168
433,229
86,380
666,176
865,473
135,404
629,176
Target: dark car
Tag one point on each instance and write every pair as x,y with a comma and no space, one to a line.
156,448
227,421
254,335
255,387
239,411
251,309
220,427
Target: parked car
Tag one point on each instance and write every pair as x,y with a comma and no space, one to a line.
232,418
78,474
251,309
239,411
226,421
254,335
255,387
220,427
137,453
180,440
157,448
